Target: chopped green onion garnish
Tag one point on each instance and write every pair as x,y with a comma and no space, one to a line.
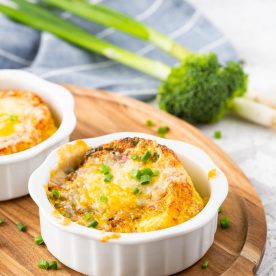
220,209
155,157
13,117
53,265
134,157
149,123
103,199
156,172
135,173
217,134
92,224
55,193
146,171
38,240
205,264
144,179
2,221
104,169
43,264
163,130
108,177
21,227
144,175
135,191
88,216
146,156
224,222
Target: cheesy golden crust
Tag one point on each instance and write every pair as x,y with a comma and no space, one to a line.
128,185
25,121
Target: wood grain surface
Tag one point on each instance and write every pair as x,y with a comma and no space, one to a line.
237,250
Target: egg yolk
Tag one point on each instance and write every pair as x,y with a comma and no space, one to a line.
7,124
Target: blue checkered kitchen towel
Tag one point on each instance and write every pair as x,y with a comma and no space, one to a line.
57,61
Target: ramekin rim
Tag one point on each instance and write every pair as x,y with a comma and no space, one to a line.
219,190
66,126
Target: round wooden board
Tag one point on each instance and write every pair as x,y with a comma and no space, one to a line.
237,250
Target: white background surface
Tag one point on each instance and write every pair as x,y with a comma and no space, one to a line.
251,26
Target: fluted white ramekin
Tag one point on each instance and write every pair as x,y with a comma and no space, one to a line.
161,252
15,169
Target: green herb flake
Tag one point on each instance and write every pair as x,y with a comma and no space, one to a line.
2,221
146,171
108,178
149,123
43,264
162,131
135,191
156,173
134,157
146,156
155,157
103,199
217,134
135,173
53,265
144,179
13,118
38,240
220,209
224,222
104,169
21,227
87,216
205,264
56,193
93,224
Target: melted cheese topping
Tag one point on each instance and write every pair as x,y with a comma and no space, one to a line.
25,121
123,203
110,237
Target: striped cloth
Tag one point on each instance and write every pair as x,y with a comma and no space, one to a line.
58,61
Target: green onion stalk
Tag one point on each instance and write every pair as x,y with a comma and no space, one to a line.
112,18
199,90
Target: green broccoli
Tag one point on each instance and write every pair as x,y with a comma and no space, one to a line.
199,90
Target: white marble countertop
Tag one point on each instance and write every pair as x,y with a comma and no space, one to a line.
251,26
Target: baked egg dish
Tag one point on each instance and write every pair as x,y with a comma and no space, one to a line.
25,121
126,186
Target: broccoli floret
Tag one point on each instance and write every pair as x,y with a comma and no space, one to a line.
200,90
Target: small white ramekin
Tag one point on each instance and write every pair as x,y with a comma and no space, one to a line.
15,169
162,252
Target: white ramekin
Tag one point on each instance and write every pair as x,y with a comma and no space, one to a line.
15,169
161,252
